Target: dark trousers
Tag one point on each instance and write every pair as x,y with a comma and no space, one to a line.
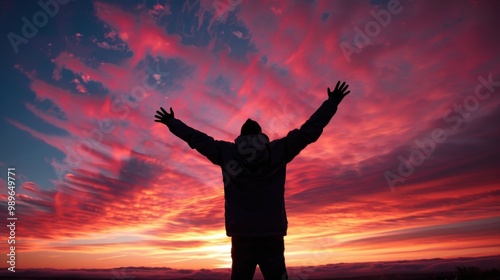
267,252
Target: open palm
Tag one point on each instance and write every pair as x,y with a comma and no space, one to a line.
339,92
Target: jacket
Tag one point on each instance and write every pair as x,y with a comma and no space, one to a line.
254,171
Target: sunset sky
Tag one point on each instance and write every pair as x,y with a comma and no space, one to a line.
408,168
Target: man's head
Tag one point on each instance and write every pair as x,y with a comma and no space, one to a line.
250,127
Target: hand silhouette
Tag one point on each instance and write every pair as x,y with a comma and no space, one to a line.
163,116
339,93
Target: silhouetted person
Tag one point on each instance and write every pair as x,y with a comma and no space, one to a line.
253,170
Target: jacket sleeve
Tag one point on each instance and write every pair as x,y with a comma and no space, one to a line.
203,143
297,139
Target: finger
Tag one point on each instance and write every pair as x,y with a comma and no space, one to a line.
163,110
347,93
160,113
329,91
159,117
342,86
337,86
158,121
171,111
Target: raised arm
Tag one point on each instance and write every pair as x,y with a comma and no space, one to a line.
203,143
309,132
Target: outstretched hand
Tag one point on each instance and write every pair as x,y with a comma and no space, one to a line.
163,116
339,93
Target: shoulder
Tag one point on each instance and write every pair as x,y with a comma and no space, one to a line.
225,144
